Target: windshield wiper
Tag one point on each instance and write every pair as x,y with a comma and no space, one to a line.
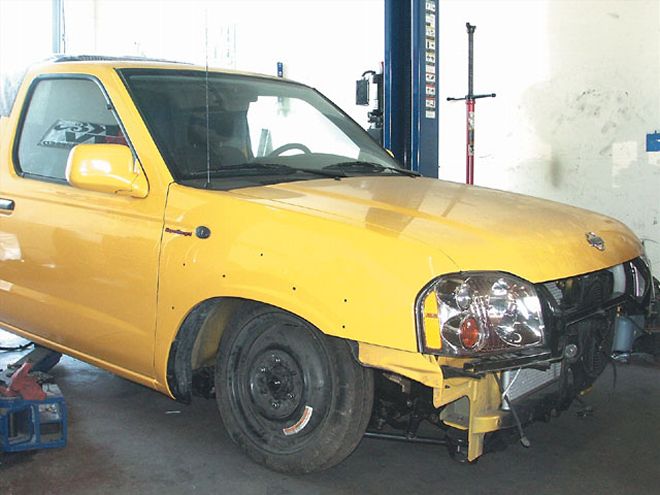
258,168
318,171
361,166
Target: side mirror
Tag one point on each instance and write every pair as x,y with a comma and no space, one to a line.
108,168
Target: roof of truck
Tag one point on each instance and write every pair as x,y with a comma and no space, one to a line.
107,58
124,62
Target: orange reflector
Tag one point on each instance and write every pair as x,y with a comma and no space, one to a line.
431,323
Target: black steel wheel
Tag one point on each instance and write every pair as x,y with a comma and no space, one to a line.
291,397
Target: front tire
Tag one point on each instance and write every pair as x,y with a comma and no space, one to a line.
291,397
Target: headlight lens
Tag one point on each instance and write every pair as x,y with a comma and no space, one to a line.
473,313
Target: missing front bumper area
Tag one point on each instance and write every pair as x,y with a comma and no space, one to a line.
461,403
468,414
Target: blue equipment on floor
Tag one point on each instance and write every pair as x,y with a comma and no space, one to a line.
32,410
33,424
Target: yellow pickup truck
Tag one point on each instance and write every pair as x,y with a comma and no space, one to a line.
238,235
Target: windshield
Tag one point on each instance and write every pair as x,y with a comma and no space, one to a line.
225,130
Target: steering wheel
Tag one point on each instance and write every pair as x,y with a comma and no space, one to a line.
290,146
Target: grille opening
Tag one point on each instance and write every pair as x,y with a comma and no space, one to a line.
583,292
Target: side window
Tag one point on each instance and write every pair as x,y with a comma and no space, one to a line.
61,114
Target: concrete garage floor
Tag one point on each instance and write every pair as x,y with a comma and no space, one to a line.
124,438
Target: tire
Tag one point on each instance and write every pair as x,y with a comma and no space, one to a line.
294,399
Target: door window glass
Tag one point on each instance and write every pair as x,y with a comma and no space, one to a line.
61,114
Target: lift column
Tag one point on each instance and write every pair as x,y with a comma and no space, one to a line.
411,83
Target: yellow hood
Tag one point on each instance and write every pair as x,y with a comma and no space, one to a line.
477,228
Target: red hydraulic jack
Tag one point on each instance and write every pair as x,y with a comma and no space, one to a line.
21,384
470,100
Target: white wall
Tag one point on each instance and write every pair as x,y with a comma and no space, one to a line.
324,43
578,89
25,33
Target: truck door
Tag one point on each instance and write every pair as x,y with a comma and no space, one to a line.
77,268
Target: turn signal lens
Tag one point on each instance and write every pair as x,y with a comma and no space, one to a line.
470,333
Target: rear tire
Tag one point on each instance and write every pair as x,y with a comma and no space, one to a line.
294,399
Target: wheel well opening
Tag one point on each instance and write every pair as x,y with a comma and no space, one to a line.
192,354
191,361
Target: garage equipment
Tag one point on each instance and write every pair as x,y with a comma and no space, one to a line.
375,116
470,101
40,358
410,126
32,413
405,119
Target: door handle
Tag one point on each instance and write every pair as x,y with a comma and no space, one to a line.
6,204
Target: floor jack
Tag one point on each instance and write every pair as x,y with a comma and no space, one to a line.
32,410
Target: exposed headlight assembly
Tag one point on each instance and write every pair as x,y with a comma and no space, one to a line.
473,313
640,280
640,270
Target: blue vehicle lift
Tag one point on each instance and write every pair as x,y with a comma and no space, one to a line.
405,120
410,127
